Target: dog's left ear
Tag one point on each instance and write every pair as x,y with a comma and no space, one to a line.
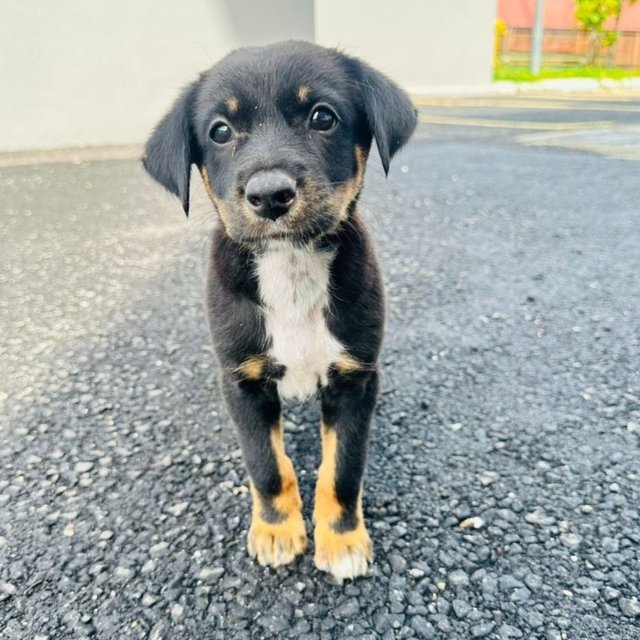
171,149
392,118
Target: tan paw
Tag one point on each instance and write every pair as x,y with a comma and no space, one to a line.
275,544
344,555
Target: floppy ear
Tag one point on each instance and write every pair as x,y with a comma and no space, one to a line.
171,149
390,113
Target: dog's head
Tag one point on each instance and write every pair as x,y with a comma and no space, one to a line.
280,135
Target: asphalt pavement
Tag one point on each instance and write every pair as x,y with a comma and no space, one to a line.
502,491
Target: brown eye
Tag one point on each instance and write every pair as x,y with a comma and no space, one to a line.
323,119
220,133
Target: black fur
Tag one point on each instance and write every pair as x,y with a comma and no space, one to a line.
266,96
390,114
172,148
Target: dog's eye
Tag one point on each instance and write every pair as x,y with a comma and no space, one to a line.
323,119
220,133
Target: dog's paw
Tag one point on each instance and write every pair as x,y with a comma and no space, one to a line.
345,555
276,544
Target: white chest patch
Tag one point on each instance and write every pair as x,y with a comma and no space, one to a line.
293,285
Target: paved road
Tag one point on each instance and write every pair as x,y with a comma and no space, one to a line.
503,485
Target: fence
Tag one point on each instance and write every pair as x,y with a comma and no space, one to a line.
569,47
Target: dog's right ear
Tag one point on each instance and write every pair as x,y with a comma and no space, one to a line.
171,149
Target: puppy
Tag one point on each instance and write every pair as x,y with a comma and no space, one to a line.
280,135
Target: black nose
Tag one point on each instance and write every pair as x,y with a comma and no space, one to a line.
270,193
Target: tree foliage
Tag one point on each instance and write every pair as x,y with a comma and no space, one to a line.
594,15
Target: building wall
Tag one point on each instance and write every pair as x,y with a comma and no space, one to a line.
427,45
102,72
560,14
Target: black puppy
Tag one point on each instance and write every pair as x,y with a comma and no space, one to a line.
280,135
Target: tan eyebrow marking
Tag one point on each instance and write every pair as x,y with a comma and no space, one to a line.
232,104
303,92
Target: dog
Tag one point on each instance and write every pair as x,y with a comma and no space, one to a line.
280,135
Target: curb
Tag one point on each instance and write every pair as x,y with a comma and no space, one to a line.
605,86
577,85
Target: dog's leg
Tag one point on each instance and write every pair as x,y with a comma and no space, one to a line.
277,533
342,543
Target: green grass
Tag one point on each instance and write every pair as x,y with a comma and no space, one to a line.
522,74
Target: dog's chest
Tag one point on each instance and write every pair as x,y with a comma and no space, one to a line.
294,289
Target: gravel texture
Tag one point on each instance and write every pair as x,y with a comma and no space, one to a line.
502,488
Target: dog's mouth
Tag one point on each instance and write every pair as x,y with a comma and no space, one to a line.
296,237
299,226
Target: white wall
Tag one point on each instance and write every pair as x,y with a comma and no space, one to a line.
426,45
98,72
102,72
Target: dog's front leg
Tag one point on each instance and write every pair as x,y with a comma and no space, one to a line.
342,543
277,533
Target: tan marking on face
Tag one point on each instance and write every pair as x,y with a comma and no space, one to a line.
278,543
344,554
232,104
303,93
252,368
348,192
217,203
300,205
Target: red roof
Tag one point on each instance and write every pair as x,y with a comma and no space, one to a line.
558,14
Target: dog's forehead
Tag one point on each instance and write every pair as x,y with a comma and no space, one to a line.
259,76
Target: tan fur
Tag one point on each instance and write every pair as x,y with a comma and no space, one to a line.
347,554
217,203
334,549
348,192
288,501
348,364
327,508
275,544
303,93
252,368
232,104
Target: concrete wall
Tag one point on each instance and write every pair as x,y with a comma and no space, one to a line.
102,72
98,72
429,46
